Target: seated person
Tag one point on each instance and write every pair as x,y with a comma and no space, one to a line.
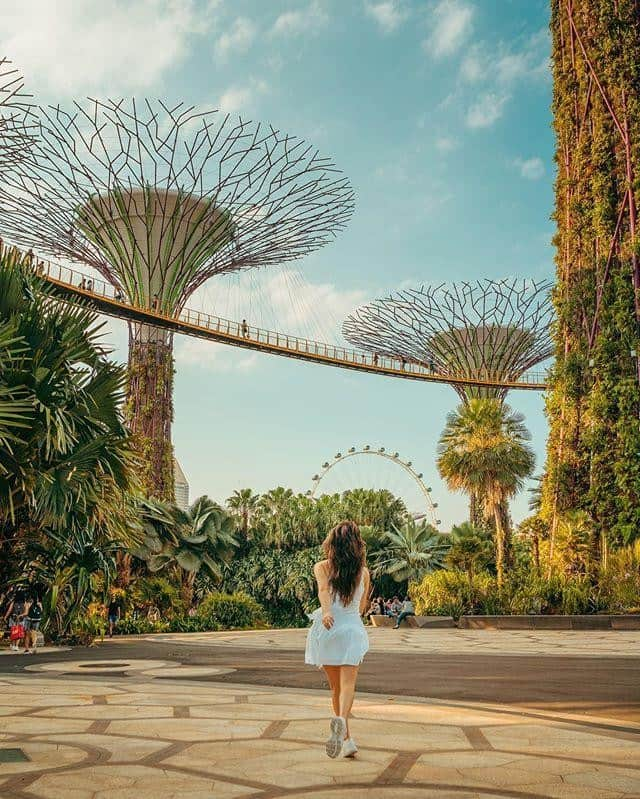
407,610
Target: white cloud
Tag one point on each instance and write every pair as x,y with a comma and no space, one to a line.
238,39
530,168
505,64
445,144
241,99
70,47
388,14
306,20
452,21
212,356
486,111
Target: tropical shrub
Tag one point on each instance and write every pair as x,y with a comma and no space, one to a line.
156,592
410,551
141,626
281,582
230,611
455,593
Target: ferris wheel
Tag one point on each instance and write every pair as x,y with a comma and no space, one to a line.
428,509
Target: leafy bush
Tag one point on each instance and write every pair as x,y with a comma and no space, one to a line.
141,626
455,593
157,592
282,582
230,611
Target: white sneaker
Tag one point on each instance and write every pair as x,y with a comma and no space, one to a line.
349,748
338,729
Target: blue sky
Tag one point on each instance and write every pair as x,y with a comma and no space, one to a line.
438,112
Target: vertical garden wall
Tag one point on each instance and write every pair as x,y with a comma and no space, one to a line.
593,454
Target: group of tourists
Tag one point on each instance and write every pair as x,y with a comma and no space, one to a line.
22,618
394,608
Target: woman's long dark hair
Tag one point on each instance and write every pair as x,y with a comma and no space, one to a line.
345,551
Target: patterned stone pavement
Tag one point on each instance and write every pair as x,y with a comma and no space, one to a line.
442,641
123,728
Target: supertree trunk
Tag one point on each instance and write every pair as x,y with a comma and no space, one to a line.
594,403
150,407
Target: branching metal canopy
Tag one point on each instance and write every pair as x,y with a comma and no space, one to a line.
487,328
159,199
14,115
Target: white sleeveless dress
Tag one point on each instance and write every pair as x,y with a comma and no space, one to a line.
346,643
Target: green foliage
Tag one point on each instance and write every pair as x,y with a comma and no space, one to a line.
230,612
68,463
282,582
156,592
410,551
471,549
483,452
594,403
287,521
186,542
454,593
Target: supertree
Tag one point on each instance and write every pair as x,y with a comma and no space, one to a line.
485,330
158,199
14,115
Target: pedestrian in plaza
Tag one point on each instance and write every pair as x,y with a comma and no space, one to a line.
406,611
337,640
113,614
15,618
32,625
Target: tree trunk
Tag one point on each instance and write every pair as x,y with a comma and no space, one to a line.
536,553
150,407
499,546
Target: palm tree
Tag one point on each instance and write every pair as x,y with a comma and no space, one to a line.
244,505
275,506
201,537
471,549
483,450
66,463
411,551
71,459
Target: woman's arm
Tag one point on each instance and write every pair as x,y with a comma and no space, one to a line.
365,601
324,594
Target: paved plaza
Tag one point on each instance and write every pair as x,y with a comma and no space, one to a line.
176,716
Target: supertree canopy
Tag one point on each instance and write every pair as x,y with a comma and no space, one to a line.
486,330
14,110
158,200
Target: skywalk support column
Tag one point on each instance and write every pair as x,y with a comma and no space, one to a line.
150,406
158,200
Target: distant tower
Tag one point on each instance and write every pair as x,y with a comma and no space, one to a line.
181,486
159,200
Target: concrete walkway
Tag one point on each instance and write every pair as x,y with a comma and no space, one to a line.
105,725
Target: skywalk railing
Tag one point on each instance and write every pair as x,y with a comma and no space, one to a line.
244,334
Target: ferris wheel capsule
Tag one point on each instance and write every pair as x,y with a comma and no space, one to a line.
366,448
352,449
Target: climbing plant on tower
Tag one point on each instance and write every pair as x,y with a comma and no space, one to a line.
594,402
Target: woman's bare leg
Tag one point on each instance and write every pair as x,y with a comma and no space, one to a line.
333,676
348,677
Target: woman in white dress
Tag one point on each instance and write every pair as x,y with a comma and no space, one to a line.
337,640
